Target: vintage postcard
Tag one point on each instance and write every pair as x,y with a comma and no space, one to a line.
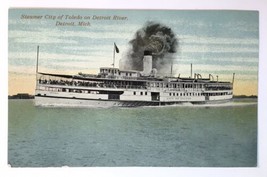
132,88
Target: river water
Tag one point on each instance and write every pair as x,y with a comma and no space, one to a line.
185,136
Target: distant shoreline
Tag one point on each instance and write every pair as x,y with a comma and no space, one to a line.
245,96
21,96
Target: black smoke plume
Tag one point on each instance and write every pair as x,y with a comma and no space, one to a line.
157,38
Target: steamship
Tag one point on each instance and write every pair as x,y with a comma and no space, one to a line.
128,88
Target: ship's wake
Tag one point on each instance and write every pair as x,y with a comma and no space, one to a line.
206,105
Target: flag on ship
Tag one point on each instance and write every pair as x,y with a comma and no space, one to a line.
116,48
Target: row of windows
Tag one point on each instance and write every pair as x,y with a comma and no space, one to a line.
174,85
189,94
186,94
135,93
70,90
200,94
185,85
141,93
114,71
109,70
218,94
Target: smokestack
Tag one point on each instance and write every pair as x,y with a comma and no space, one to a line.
147,62
191,71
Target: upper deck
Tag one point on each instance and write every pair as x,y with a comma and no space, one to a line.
101,81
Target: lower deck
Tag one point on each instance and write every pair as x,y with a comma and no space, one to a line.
51,101
131,97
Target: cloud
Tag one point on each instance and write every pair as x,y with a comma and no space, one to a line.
93,49
201,49
49,56
209,48
224,59
26,61
21,69
44,40
188,39
46,35
209,68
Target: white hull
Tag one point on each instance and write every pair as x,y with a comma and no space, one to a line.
68,102
74,102
78,102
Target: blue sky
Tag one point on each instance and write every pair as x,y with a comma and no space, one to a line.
215,42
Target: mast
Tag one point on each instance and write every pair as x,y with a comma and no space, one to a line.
171,68
191,70
37,59
37,66
233,78
113,56
115,49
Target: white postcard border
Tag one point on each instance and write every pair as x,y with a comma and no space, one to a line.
260,171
